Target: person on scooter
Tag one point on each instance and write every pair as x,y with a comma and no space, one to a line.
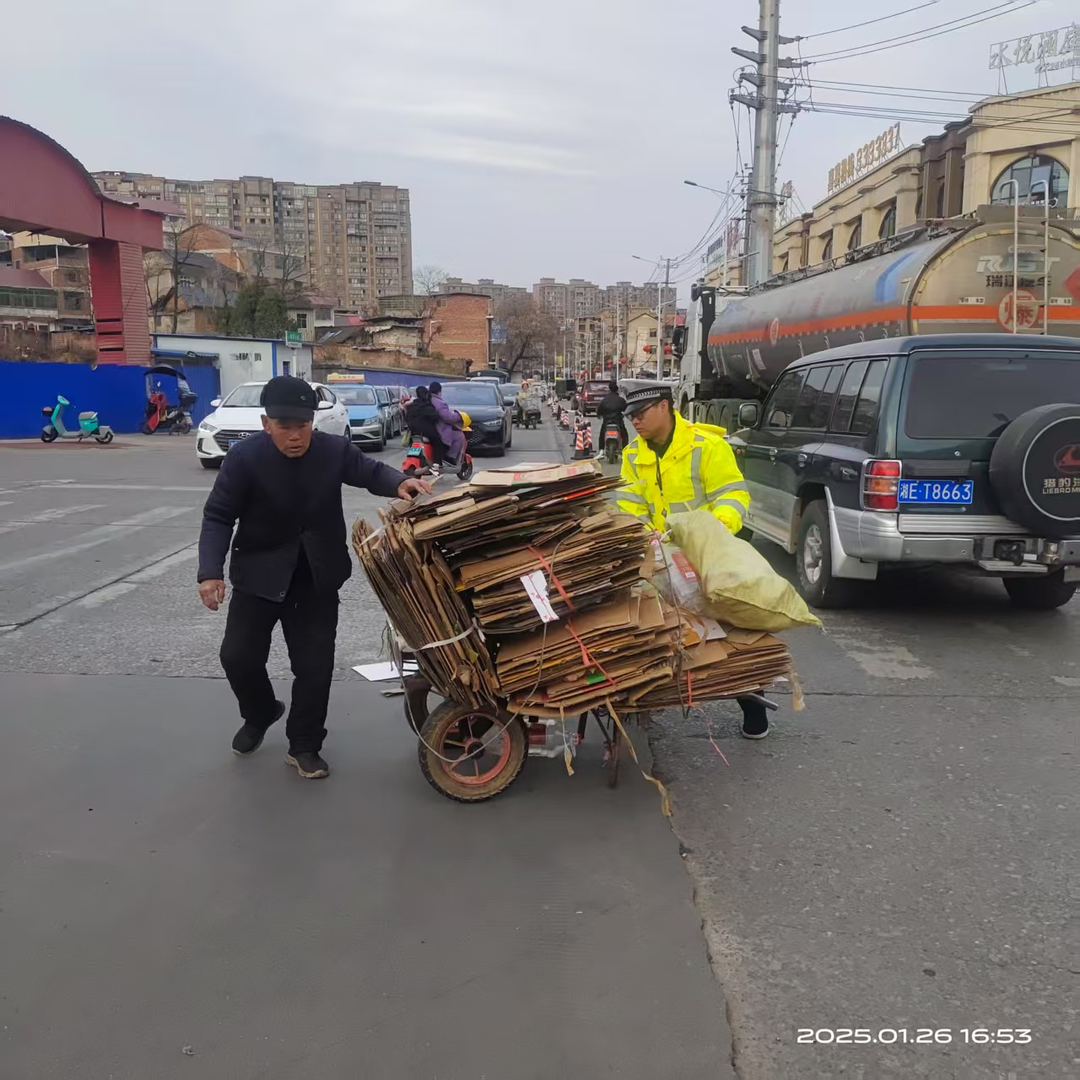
423,420
450,424
611,410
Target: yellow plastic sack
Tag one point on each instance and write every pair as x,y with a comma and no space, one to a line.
740,587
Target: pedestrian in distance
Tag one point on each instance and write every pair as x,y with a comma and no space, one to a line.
281,491
674,466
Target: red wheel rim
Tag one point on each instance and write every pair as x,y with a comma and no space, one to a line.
478,749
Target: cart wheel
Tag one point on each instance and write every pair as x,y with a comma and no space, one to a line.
485,751
612,756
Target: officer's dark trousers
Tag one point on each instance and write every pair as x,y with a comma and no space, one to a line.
309,623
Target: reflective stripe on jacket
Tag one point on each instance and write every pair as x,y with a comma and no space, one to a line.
698,471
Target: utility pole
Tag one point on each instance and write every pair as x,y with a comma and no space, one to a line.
767,106
661,300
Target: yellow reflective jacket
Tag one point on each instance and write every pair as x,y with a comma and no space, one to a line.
698,471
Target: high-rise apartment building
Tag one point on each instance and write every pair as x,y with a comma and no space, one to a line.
625,295
567,301
355,239
483,287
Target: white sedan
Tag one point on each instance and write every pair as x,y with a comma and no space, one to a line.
240,414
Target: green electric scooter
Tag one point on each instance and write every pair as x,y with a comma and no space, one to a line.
88,428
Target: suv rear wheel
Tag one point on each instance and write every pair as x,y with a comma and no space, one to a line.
1040,593
813,561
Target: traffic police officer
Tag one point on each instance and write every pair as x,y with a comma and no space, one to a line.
289,559
674,467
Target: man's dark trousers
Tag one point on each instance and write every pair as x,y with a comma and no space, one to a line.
309,622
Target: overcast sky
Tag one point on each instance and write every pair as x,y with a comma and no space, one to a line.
536,138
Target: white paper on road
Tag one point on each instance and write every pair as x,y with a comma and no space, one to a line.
386,672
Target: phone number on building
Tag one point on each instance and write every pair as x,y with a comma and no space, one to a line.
940,1036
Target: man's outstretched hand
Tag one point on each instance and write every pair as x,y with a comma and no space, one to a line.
212,594
412,487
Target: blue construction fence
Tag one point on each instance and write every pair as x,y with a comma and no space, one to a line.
117,393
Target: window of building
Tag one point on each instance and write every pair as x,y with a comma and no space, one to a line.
855,240
1038,172
939,202
826,251
301,320
73,301
888,223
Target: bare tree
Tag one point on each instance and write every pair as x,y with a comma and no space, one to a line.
530,332
179,249
427,279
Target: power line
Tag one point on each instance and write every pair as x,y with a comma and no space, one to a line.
869,22
886,90
913,38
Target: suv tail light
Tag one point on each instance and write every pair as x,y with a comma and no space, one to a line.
881,485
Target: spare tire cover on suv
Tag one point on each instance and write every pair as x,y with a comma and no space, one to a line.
1035,470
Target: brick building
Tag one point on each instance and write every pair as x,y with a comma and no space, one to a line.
458,326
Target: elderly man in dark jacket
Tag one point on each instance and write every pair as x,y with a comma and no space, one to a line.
289,559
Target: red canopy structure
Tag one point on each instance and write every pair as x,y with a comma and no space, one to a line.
44,189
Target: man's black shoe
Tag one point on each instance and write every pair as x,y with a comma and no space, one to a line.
309,765
249,738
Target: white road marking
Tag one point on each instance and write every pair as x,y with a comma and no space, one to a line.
100,535
885,661
1066,680
55,513
103,596
203,489
5,502
159,569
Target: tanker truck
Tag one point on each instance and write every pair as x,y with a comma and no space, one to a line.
943,277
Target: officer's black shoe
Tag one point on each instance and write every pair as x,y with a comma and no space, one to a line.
755,723
309,765
249,738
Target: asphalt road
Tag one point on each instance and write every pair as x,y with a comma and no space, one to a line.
168,910
901,856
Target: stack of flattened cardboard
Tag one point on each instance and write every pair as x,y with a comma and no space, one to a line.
511,523
453,573
743,662
609,652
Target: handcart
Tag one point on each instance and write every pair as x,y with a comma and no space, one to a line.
473,753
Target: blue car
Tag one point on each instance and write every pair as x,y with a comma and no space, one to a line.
366,422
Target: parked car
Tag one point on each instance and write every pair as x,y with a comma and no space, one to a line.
959,449
239,414
488,412
367,424
391,410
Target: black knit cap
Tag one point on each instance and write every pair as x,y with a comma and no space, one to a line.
286,397
642,397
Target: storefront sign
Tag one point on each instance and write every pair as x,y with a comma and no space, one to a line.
865,158
1048,50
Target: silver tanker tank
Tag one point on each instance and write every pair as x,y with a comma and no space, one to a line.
957,280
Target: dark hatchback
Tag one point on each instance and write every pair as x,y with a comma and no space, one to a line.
488,413
960,449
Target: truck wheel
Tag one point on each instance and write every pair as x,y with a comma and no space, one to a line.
1040,593
813,561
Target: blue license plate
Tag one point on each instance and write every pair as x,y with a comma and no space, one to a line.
233,442
937,492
